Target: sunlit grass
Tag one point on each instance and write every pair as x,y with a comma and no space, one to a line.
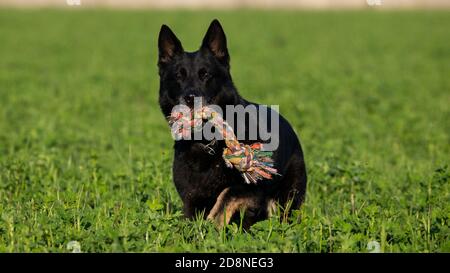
85,154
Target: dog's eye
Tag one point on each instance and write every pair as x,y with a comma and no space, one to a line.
181,74
203,74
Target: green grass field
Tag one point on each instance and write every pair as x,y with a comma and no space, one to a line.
85,153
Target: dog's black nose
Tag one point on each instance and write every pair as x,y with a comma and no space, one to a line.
189,99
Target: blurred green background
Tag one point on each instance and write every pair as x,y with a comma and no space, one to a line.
85,153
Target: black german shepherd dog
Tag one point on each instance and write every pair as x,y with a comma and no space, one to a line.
206,185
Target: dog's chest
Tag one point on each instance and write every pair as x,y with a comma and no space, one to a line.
196,172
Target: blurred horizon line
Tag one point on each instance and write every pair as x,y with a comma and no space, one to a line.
231,4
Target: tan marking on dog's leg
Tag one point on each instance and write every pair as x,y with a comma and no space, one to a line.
226,207
219,205
271,207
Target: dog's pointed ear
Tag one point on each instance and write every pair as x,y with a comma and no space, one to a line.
168,45
216,42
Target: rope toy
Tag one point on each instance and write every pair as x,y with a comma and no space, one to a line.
253,163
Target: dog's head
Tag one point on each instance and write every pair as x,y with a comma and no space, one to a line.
204,73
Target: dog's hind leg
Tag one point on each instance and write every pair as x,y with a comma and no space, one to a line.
235,200
217,212
291,193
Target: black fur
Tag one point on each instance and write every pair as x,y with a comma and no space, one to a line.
198,175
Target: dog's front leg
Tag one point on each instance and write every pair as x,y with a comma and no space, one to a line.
195,207
188,210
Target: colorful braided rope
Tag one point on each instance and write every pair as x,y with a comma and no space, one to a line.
253,163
